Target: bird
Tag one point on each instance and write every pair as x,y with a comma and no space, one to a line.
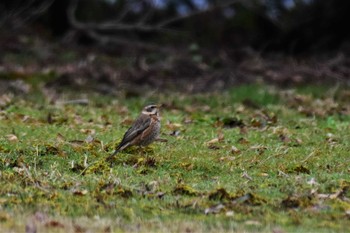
143,131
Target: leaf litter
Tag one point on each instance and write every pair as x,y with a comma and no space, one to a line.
256,154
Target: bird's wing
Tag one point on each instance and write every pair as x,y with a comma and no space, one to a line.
136,129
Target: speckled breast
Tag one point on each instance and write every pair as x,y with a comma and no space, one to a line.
153,133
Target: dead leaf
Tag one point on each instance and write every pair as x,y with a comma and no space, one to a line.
187,121
5,100
26,118
3,115
248,198
187,166
219,194
78,120
175,133
213,147
226,158
173,126
20,86
245,175
257,123
3,215
259,148
243,130
213,141
52,150
242,141
229,213
88,131
80,192
312,181
214,209
221,136
77,142
123,192
279,130
161,140
331,139
301,169
89,139
127,121
231,122
60,138
152,186
190,109
54,223
160,194
284,138
240,108
79,229
347,212
331,195
282,174
12,137
235,150
298,141
182,189
252,223
122,110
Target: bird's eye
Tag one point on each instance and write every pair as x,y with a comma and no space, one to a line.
150,108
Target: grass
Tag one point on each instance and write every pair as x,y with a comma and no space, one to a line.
288,171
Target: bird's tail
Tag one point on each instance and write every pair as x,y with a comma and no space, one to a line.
120,147
112,155
115,152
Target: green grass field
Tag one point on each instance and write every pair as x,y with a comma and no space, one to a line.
251,159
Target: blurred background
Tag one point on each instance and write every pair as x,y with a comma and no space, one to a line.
114,46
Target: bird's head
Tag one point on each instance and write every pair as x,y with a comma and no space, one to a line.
151,110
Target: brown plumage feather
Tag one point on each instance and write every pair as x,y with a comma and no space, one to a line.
137,128
144,130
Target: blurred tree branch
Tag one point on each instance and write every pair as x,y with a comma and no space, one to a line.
109,31
23,13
